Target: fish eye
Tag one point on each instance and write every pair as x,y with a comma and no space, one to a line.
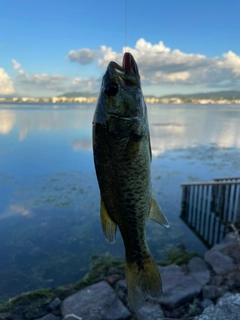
111,89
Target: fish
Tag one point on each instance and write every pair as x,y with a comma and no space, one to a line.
122,157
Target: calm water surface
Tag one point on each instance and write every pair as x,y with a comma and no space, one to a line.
49,198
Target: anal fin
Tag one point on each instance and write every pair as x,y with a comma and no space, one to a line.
156,214
109,227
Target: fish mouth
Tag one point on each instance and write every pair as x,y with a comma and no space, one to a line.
129,64
126,75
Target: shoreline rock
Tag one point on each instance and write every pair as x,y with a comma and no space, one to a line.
203,289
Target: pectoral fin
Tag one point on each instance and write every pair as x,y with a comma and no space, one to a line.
132,146
156,213
109,227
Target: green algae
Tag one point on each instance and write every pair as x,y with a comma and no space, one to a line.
30,304
100,267
179,257
33,304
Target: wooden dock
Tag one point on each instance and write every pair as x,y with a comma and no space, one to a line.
209,208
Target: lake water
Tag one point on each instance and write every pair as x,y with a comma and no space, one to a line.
49,198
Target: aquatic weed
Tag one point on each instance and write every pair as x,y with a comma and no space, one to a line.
179,257
20,305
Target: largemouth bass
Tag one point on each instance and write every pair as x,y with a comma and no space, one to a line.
122,157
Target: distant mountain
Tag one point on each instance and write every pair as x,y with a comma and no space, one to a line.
207,95
79,94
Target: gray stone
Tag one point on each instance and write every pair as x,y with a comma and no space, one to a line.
122,284
71,317
54,304
113,279
48,316
220,263
233,280
178,287
199,270
230,237
227,308
217,280
96,302
206,303
121,290
150,311
229,247
213,292
5,316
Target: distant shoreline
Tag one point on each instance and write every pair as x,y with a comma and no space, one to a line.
148,100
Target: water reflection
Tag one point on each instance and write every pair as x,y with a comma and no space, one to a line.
49,206
43,120
172,127
15,210
184,127
82,144
7,121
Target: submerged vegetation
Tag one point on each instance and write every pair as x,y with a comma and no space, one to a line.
179,257
101,267
38,300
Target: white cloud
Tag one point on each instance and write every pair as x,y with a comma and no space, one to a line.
16,65
159,64
55,82
85,84
6,84
83,56
49,81
230,61
42,81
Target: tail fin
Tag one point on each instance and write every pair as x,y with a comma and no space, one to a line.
142,282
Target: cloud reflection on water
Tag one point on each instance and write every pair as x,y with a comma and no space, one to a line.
7,121
16,210
194,126
172,127
82,144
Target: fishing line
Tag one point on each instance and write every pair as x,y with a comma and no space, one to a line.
125,24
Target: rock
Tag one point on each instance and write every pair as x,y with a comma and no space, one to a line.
121,290
96,302
230,247
227,308
53,305
122,284
178,287
206,303
232,280
113,271
49,316
5,316
199,270
71,317
216,280
213,292
220,263
150,311
113,279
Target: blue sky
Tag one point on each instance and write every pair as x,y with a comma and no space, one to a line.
51,47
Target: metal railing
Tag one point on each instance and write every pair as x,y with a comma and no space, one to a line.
209,208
